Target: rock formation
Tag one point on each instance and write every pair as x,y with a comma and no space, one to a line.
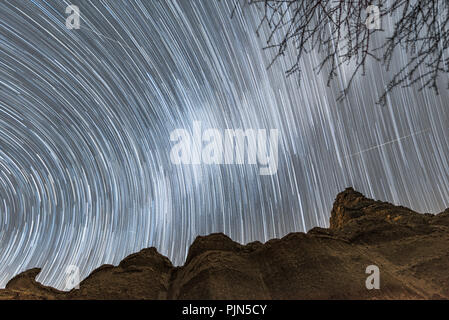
410,249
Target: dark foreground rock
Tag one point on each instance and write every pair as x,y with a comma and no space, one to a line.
410,249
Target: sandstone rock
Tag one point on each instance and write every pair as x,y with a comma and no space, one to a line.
410,249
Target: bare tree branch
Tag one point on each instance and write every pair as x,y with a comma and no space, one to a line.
338,30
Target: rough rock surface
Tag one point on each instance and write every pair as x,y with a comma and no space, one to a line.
410,249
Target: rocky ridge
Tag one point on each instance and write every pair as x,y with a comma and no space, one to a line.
410,249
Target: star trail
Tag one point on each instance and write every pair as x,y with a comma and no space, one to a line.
86,115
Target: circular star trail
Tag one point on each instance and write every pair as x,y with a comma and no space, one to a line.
86,116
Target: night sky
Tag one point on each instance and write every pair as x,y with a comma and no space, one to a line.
86,117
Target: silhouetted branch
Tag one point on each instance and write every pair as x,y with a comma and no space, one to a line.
338,30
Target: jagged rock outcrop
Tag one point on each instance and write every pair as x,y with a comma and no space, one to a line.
24,286
410,249
142,275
